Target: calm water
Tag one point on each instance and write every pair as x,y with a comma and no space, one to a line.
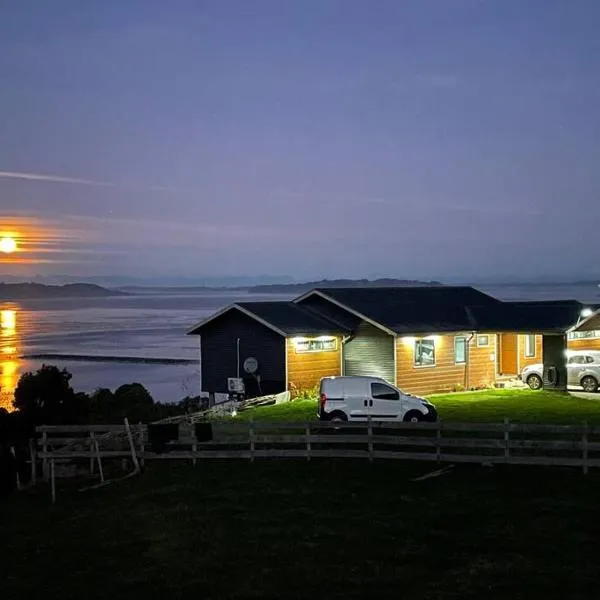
148,325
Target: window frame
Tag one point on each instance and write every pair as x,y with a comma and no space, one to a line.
463,340
385,385
298,350
530,352
419,342
487,338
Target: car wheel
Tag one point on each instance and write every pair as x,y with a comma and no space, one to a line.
535,382
413,416
589,384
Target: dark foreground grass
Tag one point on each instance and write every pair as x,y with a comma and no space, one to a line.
522,406
309,530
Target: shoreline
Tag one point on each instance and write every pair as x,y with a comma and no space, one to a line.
109,359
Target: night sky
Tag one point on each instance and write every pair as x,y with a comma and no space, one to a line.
450,139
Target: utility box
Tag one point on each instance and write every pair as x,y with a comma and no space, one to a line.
555,362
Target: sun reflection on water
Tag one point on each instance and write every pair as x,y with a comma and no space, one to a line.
9,365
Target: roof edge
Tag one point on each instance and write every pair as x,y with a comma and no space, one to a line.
243,310
322,294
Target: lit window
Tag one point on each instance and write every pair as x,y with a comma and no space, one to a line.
424,353
460,350
581,335
483,340
316,345
530,346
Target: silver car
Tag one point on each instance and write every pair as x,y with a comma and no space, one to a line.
583,370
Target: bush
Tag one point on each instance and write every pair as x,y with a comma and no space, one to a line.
46,397
297,393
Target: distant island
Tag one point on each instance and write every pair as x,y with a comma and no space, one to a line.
299,288
279,288
28,291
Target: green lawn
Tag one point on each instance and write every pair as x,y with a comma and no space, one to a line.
293,529
524,406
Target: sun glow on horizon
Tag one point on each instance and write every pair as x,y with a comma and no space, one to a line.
8,244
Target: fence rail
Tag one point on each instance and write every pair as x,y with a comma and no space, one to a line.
510,443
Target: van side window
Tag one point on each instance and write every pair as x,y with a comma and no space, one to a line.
380,391
589,359
576,360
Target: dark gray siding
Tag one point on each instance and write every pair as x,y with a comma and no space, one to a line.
554,352
370,352
219,355
331,311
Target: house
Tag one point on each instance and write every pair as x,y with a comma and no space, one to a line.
423,339
585,335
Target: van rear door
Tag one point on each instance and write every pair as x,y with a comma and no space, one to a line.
356,395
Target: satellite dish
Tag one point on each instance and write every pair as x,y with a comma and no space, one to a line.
251,365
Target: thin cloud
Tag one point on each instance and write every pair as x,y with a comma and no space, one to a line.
91,182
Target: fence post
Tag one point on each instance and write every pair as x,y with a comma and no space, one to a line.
584,443
52,482
506,439
142,445
251,438
92,451
134,457
370,438
33,461
438,441
308,444
14,455
99,458
45,451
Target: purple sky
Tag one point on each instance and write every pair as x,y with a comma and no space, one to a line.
455,139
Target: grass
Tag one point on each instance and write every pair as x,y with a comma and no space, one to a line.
285,530
524,406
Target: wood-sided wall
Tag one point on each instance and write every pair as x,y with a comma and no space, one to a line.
584,344
446,375
525,361
305,369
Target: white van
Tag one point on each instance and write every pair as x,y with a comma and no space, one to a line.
361,398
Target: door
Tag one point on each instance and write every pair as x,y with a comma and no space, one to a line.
384,402
508,364
357,396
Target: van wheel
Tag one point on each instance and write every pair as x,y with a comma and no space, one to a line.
589,384
413,416
338,417
535,382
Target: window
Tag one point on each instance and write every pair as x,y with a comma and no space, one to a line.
380,391
316,345
589,359
483,340
576,360
581,335
460,350
530,346
424,353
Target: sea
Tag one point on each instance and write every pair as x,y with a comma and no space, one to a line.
150,324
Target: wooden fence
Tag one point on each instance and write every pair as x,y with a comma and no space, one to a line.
494,443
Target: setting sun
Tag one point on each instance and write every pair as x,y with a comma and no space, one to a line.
8,245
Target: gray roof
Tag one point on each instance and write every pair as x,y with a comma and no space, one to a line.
286,318
291,318
427,309
453,308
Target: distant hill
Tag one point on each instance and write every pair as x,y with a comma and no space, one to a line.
25,291
299,288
